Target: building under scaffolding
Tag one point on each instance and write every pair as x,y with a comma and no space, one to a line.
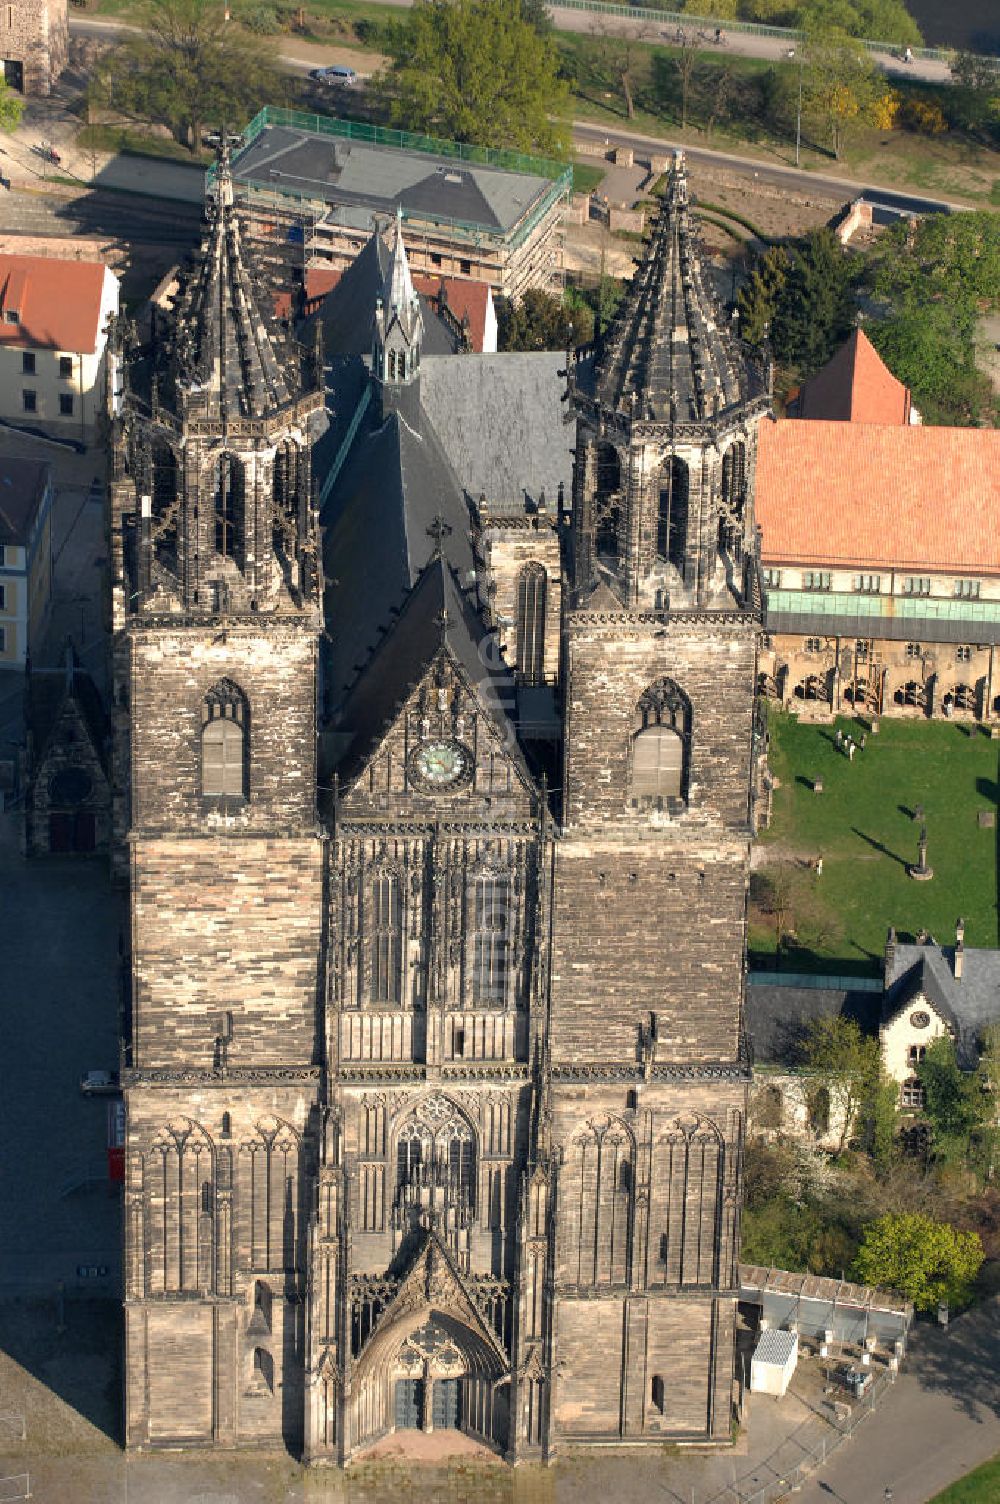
312,189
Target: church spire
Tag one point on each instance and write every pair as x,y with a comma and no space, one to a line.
231,360
666,355
399,324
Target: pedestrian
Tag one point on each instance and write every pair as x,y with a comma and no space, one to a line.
819,866
851,749
864,738
840,737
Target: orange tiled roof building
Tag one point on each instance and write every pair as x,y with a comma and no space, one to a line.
880,551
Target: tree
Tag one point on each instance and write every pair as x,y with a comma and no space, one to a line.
685,60
11,105
189,67
926,1261
955,1104
815,311
848,1065
758,297
477,71
840,84
540,321
974,97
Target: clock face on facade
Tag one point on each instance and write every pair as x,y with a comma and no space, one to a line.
440,765
920,1019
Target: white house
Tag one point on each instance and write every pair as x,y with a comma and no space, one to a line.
53,338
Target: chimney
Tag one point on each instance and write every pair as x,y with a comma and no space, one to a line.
889,957
959,949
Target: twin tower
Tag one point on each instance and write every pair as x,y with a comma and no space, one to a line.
433,1060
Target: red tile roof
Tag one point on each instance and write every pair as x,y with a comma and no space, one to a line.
466,299
855,386
879,497
58,303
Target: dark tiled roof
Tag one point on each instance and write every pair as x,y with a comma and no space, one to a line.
22,487
347,311
395,482
501,419
968,1005
49,691
435,616
777,1017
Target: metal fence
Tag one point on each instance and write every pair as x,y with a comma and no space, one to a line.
15,1488
691,25
383,135
802,1454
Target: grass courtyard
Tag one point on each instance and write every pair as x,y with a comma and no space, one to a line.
863,827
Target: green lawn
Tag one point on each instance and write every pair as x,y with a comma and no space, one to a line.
586,176
863,828
979,1487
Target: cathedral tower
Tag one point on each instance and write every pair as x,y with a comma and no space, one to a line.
217,620
647,1061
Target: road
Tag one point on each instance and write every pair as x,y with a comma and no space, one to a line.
782,177
940,1421
740,44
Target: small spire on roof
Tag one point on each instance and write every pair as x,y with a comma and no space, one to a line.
439,531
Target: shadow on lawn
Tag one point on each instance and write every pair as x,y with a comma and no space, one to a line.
878,846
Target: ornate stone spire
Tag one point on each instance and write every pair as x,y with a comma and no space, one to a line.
231,361
399,323
666,341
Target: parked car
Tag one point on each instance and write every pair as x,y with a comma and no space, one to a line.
336,74
99,1083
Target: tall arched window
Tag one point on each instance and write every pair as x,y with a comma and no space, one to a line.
387,939
734,476
181,1180
672,517
228,504
272,1196
661,745
436,1157
490,940
607,499
286,478
531,591
224,742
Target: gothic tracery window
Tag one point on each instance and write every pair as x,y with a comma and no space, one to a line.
228,504
490,940
270,1162
181,1180
661,745
436,1157
672,515
224,742
387,938
531,593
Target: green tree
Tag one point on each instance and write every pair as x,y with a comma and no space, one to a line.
840,84
926,1261
189,67
974,97
815,310
758,297
848,1064
478,71
955,1104
11,105
540,321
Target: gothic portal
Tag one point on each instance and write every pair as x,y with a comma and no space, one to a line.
434,1065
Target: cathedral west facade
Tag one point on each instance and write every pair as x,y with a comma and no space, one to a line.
434,1065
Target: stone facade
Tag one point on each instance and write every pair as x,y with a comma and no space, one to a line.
435,1078
34,42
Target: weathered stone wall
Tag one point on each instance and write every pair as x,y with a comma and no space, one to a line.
821,675
611,660
274,666
507,549
226,924
35,33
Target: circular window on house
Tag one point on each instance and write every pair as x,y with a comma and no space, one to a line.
920,1019
70,786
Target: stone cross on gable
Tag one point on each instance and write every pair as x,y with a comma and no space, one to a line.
439,531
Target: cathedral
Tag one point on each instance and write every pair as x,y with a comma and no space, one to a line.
434,809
